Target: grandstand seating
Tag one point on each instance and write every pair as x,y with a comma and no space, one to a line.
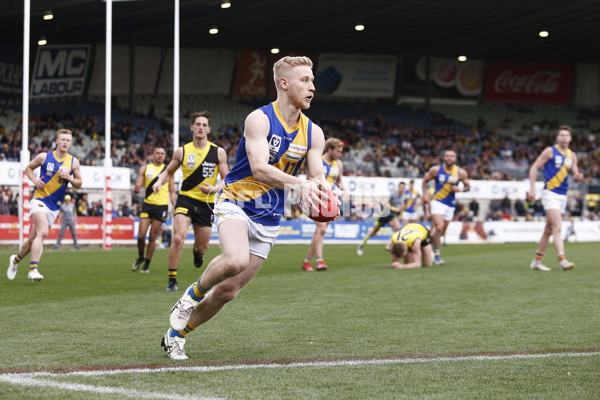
372,128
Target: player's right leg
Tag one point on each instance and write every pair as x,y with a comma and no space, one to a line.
181,223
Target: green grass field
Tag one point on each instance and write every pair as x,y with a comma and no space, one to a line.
484,326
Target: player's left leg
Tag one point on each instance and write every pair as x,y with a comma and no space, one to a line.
554,220
40,221
437,222
201,242
321,229
141,242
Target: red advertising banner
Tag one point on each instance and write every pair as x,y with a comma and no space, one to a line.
87,228
250,74
529,82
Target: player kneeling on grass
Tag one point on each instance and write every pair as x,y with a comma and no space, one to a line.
413,245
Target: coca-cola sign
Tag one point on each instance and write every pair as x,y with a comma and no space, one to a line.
525,82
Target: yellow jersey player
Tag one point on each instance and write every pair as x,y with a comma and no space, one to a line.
413,245
442,203
155,207
276,140
201,161
389,215
58,169
558,161
333,167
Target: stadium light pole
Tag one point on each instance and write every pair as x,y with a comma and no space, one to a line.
176,80
25,114
107,113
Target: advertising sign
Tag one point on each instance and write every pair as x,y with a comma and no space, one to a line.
356,75
529,82
448,78
60,71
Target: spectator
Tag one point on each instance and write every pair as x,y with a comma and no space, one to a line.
474,208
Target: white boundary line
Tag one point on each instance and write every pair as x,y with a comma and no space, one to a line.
37,378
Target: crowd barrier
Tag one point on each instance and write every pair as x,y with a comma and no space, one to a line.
125,231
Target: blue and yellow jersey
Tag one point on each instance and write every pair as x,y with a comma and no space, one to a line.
332,172
53,192
150,177
557,170
287,150
444,180
411,200
411,232
199,166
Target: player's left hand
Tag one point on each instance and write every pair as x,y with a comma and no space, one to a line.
63,173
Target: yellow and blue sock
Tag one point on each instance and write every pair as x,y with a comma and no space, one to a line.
33,265
182,333
307,259
18,258
561,257
436,252
197,292
539,256
320,259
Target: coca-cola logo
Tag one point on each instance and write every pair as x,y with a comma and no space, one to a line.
539,82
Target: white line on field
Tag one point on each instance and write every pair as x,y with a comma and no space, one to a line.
24,380
37,378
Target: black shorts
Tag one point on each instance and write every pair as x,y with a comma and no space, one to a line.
199,212
154,211
384,220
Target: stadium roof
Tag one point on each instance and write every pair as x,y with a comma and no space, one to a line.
505,30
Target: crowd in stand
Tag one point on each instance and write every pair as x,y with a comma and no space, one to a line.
373,147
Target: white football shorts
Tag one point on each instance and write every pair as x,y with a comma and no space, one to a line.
36,205
261,238
439,208
554,201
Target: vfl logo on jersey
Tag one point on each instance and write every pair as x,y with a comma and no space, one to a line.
274,145
191,161
149,173
442,178
50,169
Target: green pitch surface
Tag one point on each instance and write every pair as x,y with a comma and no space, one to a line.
483,326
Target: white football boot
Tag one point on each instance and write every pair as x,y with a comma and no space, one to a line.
181,311
537,264
11,272
34,275
174,346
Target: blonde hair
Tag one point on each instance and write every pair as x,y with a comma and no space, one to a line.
283,65
63,131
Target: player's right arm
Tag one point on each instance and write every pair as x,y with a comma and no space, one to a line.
256,131
533,170
33,164
140,179
433,171
170,170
